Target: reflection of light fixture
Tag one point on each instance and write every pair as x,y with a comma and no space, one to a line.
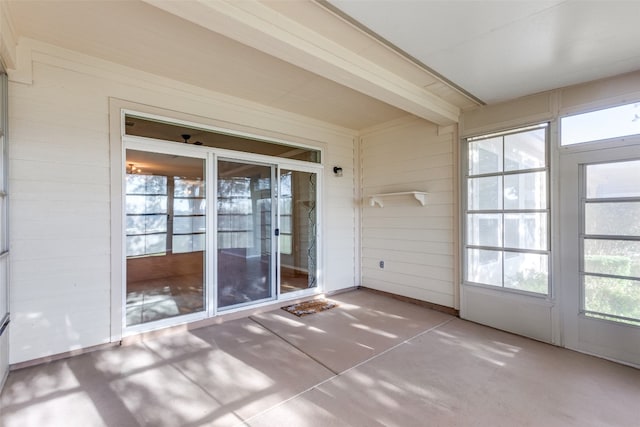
133,169
337,170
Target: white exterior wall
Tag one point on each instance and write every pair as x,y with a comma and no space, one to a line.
60,189
416,243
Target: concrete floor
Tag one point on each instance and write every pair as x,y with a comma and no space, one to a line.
372,361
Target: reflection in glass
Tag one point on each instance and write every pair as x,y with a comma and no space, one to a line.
298,221
165,276
244,233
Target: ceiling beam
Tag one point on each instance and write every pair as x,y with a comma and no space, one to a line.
255,24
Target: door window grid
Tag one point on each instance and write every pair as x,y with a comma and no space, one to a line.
507,211
610,242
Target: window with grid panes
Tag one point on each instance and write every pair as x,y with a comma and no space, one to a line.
507,210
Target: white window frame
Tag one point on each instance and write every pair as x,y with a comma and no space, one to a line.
549,212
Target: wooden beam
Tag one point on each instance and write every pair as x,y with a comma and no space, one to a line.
255,24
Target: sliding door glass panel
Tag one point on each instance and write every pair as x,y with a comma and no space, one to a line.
165,228
245,193
298,224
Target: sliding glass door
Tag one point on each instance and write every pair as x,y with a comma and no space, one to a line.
205,234
165,220
246,214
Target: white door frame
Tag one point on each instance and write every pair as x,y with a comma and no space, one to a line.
604,338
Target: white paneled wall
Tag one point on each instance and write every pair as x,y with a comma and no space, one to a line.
60,200
415,242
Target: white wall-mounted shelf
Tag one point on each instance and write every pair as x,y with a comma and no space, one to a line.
376,199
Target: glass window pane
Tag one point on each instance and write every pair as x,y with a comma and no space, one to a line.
199,224
135,224
618,297
525,150
618,219
609,180
484,266
155,223
188,188
485,156
484,229
525,231
136,184
603,124
285,224
485,193
525,191
616,257
135,245
526,272
182,244
155,204
198,242
182,225
156,243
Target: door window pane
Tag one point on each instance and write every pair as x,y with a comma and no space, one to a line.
617,180
244,233
612,296
615,257
613,219
165,272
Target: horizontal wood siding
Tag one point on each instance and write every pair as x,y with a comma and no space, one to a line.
61,278
416,243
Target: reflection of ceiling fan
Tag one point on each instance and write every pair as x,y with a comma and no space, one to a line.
187,137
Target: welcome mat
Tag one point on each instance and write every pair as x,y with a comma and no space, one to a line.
310,307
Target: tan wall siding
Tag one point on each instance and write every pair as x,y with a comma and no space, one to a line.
60,192
416,243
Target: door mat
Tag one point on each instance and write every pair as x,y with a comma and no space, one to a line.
310,307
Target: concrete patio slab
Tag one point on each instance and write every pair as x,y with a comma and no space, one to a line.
363,325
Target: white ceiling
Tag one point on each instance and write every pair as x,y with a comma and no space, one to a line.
500,50
305,57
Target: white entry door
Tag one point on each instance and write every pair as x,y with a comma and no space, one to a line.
600,252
